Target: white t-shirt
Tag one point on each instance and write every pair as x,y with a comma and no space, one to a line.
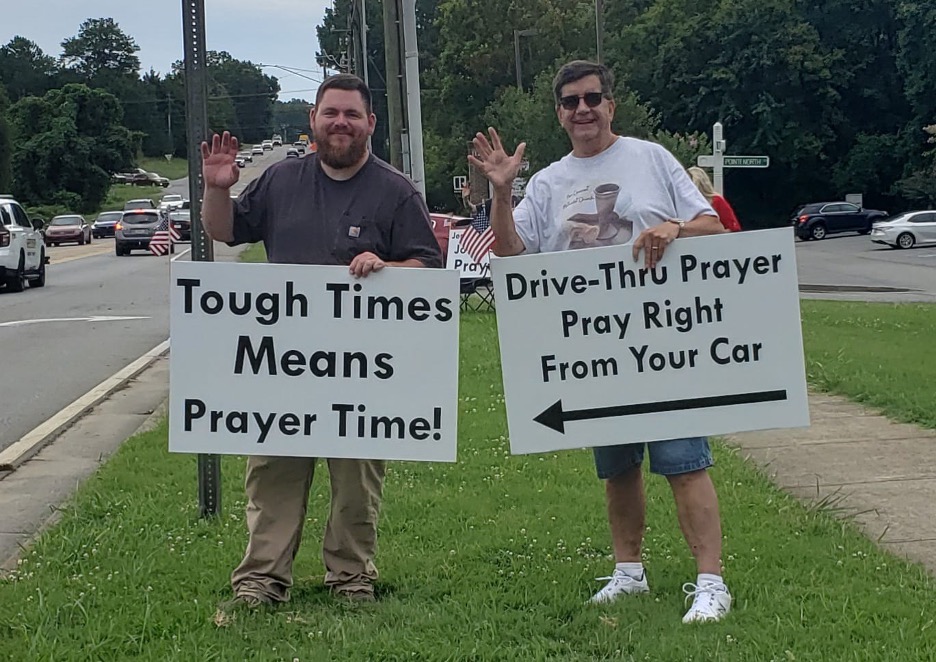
606,199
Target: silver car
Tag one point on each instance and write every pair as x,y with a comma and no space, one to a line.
906,230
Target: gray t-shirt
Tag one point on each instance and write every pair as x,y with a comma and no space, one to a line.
303,216
606,199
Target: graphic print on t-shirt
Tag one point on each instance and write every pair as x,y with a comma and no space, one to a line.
598,214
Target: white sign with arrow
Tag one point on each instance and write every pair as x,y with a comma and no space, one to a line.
598,351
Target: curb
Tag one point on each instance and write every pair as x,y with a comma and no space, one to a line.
36,439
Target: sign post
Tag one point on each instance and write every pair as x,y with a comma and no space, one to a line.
196,121
597,351
718,161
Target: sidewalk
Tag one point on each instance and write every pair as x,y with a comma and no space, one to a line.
877,472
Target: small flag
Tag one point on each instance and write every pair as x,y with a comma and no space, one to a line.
478,238
162,238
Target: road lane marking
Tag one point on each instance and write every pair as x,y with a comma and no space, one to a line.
97,318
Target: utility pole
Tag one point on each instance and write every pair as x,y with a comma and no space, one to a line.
392,57
413,100
599,28
169,122
196,121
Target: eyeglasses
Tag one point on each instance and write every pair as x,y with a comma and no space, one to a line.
571,102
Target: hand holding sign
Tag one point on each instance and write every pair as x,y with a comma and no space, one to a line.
365,263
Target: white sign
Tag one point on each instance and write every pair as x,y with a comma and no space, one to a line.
459,182
462,261
308,361
598,351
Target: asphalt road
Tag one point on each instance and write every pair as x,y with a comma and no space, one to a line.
853,261
51,353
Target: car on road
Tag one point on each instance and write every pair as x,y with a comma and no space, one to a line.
300,146
140,203
67,228
246,155
171,201
240,162
135,230
104,224
22,249
267,144
913,228
257,149
277,140
292,152
181,220
820,219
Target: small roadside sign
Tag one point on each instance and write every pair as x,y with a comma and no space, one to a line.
459,182
747,161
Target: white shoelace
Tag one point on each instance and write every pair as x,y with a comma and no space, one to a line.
705,592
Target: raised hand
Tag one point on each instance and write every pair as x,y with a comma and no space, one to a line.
497,166
218,167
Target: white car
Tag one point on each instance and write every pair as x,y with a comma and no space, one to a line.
906,230
267,144
257,149
22,248
171,201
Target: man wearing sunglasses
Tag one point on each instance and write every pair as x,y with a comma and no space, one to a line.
614,190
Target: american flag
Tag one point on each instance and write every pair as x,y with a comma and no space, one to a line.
164,236
478,238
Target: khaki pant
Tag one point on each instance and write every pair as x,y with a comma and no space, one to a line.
277,499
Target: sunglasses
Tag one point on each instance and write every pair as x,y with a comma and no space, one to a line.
571,102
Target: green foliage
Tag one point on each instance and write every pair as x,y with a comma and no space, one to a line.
6,144
68,142
25,70
101,51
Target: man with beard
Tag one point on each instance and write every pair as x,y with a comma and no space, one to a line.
339,206
612,190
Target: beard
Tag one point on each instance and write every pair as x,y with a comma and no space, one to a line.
339,157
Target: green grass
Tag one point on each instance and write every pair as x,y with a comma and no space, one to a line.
876,353
487,559
177,168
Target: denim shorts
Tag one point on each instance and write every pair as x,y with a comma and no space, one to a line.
667,458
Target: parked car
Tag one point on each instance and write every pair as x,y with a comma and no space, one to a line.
68,228
140,177
104,224
135,230
906,230
152,179
817,220
22,249
181,220
139,203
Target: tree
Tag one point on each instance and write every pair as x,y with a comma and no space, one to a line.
101,51
6,144
25,70
67,144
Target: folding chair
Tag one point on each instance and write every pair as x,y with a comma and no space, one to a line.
477,295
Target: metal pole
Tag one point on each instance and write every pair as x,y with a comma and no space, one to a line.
391,23
718,154
364,40
413,103
517,58
599,27
196,122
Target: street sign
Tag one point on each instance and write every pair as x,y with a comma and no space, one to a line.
747,162
459,182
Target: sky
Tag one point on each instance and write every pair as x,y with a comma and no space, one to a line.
280,32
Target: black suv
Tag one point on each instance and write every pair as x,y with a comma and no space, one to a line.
819,219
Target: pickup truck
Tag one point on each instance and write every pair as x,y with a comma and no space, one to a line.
140,177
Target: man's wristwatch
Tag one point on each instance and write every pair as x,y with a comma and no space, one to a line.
678,222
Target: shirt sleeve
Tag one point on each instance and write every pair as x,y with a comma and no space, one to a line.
250,212
726,214
530,215
412,237
687,199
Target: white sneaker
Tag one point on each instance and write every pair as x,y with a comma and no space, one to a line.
711,602
620,583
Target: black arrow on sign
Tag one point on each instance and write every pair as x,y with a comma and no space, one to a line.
554,417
